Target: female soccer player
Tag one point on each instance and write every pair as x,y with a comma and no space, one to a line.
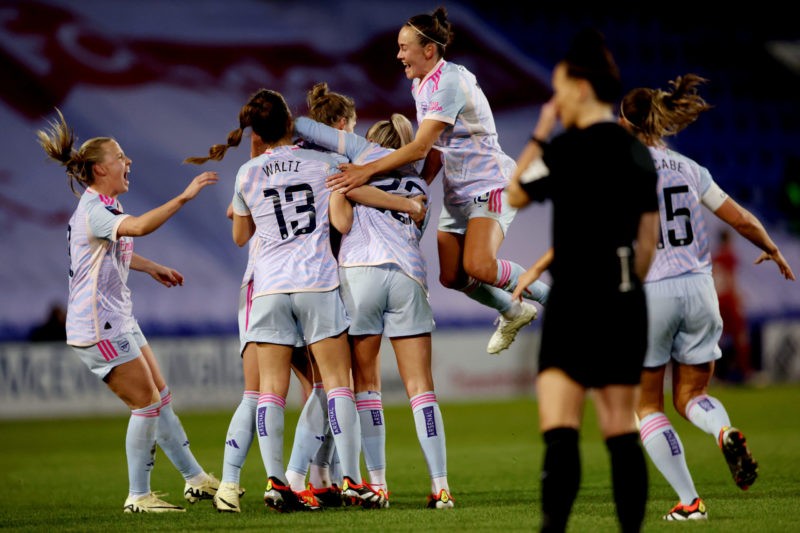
280,198
684,317
454,117
100,322
599,172
384,287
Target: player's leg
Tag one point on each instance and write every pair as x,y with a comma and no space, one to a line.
663,444
709,414
414,364
367,388
616,408
489,221
700,349
239,436
560,412
132,382
171,437
312,424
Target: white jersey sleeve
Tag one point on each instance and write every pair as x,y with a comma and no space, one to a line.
237,202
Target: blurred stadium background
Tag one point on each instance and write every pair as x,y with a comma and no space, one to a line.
167,79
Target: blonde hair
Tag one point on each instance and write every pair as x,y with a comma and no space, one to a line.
329,107
654,114
392,133
58,142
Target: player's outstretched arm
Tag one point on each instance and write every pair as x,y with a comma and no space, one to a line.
164,275
137,226
749,227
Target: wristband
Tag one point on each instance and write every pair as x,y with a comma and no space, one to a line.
541,142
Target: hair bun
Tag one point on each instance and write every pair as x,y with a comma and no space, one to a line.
588,51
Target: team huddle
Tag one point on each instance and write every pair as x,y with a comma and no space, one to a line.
333,222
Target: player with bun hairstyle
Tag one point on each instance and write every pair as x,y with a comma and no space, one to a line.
384,287
313,448
456,132
334,109
100,322
684,317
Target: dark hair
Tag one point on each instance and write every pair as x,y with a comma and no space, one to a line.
588,58
433,28
266,113
327,106
654,114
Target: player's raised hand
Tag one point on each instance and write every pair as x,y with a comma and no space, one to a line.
198,183
783,266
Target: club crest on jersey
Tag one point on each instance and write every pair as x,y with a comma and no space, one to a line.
124,346
482,199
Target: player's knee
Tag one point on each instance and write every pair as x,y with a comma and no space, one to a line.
451,281
482,269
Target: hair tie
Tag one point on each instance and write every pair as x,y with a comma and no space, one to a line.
429,38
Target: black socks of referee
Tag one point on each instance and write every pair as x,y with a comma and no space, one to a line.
561,478
629,478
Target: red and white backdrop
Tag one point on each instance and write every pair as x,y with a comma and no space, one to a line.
167,79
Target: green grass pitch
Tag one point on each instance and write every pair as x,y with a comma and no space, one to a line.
70,475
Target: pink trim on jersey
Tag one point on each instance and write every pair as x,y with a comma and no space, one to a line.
293,147
433,77
107,350
249,305
365,405
269,397
421,399
106,199
341,392
496,201
654,425
505,273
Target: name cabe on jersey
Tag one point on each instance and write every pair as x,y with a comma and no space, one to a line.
668,164
274,167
